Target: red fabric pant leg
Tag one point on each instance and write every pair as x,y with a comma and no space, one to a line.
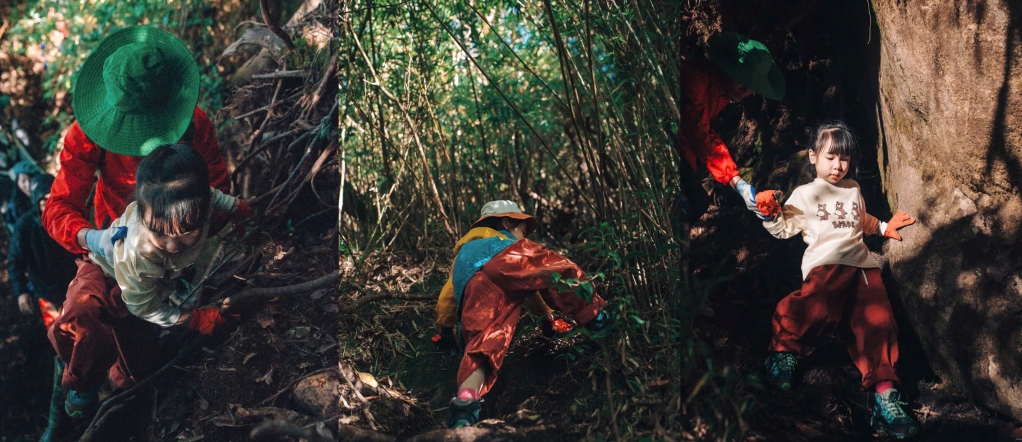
81,337
488,322
95,333
874,349
816,307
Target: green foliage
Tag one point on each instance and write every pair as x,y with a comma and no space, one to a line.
41,25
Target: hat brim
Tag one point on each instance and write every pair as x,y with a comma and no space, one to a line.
140,133
771,86
532,223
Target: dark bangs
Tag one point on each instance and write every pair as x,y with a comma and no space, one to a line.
840,138
172,190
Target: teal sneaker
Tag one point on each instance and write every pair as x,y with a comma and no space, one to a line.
80,403
600,325
463,413
888,416
780,369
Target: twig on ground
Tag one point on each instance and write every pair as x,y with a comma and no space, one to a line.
352,306
246,295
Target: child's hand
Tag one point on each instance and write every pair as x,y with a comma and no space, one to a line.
207,320
25,303
766,202
445,340
899,220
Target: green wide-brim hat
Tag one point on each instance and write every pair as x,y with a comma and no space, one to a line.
747,61
136,91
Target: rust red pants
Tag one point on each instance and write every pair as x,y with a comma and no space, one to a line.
493,300
96,333
852,300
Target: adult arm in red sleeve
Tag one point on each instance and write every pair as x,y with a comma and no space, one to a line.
696,132
66,209
205,143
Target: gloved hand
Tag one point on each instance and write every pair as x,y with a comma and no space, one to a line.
240,212
899,220
102,241
767,203
445,339
207,320
25,303
748,194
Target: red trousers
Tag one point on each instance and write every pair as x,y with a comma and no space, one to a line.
96,333
492,302
852,300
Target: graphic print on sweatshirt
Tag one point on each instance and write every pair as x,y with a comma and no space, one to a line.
842,221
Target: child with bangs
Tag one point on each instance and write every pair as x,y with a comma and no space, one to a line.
841,284
129,281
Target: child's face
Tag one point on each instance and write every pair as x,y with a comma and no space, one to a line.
25,184
518,231
829,166
175,243
42,203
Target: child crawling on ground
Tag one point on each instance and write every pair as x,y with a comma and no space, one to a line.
129,281
491,278
841,285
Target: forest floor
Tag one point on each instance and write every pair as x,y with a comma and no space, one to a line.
546,392
543,392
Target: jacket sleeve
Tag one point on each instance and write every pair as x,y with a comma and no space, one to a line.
205,143
446,310
66,209
791,221
144,296
16,263
696,132
530,267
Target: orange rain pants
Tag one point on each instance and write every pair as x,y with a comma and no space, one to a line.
493,297
851,299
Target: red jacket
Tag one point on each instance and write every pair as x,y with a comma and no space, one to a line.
703,97
81,158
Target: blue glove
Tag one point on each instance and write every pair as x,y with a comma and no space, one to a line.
102,241
748,194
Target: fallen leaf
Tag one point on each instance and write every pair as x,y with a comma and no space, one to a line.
318,293
367,379
331,308
203,404
265,321
247,357
267,378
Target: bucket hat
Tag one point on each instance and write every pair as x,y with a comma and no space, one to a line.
502,208
136,91
748,62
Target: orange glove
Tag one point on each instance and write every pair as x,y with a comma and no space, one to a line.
766,202
207,320
240,213
899,220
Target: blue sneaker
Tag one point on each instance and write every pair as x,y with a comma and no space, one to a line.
780,369
80,404
600,325
888,416
463,413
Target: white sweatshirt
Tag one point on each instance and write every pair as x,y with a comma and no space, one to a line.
832,219
147,275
